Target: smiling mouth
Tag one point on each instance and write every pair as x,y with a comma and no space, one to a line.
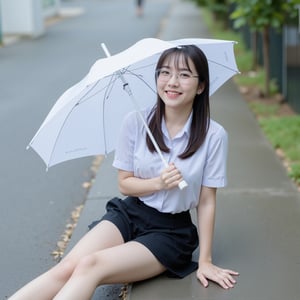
172,93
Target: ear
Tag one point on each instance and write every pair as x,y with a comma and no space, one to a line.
200,88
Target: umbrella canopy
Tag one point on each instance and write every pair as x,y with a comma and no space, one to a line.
86,119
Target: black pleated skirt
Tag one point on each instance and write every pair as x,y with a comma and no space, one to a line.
172,238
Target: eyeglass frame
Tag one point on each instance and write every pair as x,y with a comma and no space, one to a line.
178,75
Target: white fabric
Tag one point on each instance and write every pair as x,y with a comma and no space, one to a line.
207,167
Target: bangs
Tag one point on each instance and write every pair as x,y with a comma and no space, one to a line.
180,59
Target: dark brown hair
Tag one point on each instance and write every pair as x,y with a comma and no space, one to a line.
201,109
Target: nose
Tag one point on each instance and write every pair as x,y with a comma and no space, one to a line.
174,78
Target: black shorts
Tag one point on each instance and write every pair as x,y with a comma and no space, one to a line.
172,238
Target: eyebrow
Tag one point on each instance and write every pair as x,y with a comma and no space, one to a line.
179,69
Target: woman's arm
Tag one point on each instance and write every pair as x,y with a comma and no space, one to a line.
134,186
206,212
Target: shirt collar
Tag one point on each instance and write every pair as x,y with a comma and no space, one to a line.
184,131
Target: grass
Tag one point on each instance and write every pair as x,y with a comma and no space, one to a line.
255,79
262,110
283,132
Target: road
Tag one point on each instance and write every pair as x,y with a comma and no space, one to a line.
35,204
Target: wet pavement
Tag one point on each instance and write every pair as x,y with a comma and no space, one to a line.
257,228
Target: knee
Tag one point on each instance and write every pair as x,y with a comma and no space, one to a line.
90,266
86,264
67,267
64,270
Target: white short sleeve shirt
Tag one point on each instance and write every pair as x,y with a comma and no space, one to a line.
206,167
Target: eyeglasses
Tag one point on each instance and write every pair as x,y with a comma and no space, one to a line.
165,75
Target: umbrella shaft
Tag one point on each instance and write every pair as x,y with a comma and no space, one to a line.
129,92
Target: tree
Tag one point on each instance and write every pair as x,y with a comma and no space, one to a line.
261,16
219,8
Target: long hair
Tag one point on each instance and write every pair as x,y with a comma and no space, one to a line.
201,109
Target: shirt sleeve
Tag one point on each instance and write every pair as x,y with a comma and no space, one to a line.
216,163
124,154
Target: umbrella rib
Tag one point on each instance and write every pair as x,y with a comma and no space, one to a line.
141,79
222,65
65,120
90,96
108,90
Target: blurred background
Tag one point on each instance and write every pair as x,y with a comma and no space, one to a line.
46,46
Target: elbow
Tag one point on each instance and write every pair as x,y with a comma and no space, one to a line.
124,193
124,182
122,189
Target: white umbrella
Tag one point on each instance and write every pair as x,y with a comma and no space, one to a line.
86,119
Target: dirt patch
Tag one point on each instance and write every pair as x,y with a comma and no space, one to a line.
253,94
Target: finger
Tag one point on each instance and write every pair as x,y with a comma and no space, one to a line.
174,177
229,280
171,167
225,283
220,277
170,171
173,174
231,272
203,280
228,275
232,280
228,283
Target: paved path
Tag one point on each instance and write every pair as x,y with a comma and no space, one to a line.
257,230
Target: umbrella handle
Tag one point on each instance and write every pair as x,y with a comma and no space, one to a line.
182,184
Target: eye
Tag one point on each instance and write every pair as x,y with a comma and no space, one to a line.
164,72
185,75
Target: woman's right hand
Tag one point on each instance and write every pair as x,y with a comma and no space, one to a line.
170,177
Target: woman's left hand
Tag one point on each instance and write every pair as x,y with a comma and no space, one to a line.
224,277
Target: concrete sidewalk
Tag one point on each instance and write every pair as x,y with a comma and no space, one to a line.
257,229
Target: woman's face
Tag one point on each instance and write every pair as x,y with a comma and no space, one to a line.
177,83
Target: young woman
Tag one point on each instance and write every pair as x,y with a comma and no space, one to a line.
150,232
139,7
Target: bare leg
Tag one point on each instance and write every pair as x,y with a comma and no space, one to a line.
128,262
47,285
